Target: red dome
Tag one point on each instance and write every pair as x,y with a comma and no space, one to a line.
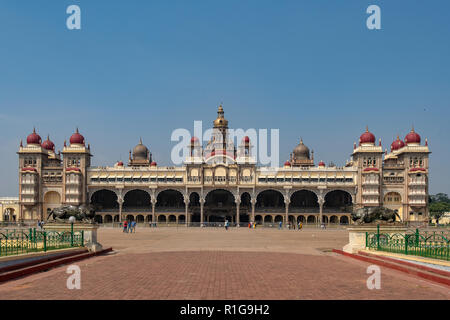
76,138
246,139
412,137
194,139
367,137
397,144
321,164
287,164
34,138
48,144
120,164
153,164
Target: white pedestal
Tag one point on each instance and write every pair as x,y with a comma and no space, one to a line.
357,235
90,233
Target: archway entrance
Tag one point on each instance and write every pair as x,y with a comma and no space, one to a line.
219,206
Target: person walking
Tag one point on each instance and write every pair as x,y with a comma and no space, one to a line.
125,226
280,225
226,224
129,227
300,225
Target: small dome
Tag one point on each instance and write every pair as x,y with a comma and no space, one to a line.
301,152
287,164
321,164
246,139
412,137
34,138
120,164
140,152
48,145
194,139
153,164
77,138
367,137
397,144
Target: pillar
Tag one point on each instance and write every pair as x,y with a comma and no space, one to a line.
186,208
153,211
202,202
253,201
286,204
238,203
320,211
120,201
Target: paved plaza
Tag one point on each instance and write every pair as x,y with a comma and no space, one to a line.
194,263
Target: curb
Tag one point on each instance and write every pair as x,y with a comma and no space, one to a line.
48,265
406,263
389,265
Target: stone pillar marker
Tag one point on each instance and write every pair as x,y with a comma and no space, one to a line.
321,202
286,205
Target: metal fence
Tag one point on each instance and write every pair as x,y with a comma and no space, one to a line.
20,241
434,244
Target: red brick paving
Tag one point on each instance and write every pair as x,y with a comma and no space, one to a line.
221,275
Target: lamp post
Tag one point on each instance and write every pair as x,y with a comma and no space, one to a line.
71,220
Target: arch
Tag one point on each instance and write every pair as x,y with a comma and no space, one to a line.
246,199
104,199
108,218
116,218
130,217
149,218
98,218
9,214
140,218
334,219
311,219
194,199
343,220
136,199
95,190
291,219
268,219
181,219
170,199
338,201
301,219
172,218
392,198
219,204
324,219
52,197
161,218
270,199
278,218
258,218
304,201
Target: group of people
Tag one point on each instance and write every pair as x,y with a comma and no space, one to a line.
291,225
129,226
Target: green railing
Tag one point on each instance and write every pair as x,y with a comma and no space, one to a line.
434,244
20,241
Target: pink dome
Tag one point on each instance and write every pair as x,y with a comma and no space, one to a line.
48,144
34,138
76,138
397,144
412,137
367,137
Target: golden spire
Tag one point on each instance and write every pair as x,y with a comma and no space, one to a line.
220,122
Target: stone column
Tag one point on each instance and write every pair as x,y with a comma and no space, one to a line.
186,207
238,203
120,201
253,201
153,210
321,202
202,202
286,204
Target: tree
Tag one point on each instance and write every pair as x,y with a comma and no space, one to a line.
440,197
437,209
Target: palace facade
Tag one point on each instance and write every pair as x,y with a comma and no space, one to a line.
219,181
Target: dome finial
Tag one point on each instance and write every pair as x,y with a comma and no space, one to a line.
412,128
367,128
140,140
76,131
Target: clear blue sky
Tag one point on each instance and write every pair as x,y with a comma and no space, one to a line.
144,68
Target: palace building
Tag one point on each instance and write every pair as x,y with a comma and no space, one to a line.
221,181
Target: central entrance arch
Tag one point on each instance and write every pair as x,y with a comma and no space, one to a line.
219,205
